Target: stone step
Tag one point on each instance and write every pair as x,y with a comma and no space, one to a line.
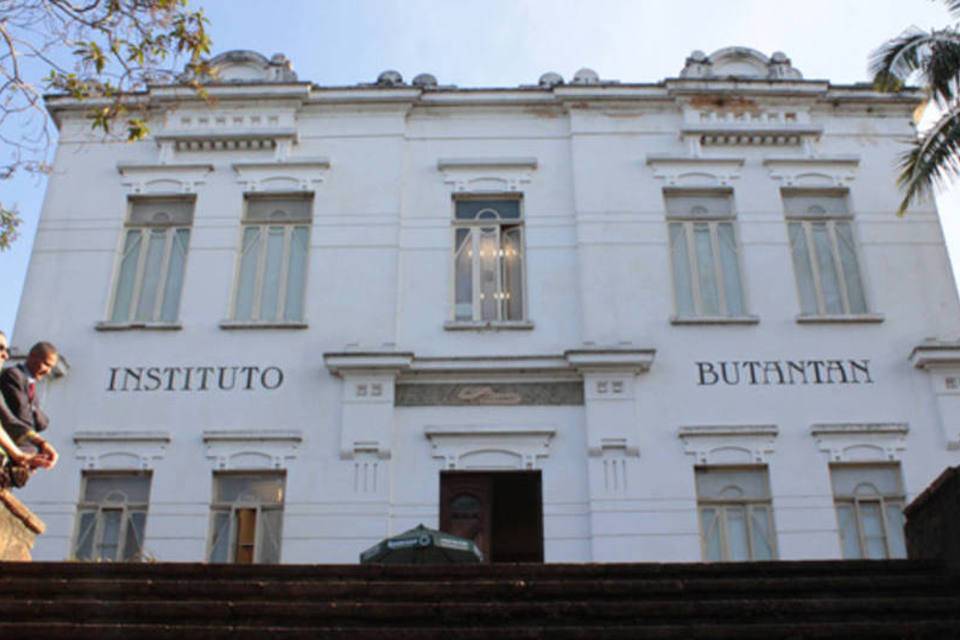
919,629
179,587
486,614
466,572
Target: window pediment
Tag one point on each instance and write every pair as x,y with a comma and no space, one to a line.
490,446
487,175
251,449
861,442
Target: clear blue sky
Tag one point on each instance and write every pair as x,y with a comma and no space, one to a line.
511,42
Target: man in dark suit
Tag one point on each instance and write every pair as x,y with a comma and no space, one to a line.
18,385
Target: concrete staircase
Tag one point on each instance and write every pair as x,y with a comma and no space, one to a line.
835,599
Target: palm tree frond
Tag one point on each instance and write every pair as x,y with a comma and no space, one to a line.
953,6
900,57
942,67
935,55
932,162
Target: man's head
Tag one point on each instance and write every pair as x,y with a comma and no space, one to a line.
41,360
4,348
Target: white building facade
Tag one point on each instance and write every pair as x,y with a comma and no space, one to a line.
575,321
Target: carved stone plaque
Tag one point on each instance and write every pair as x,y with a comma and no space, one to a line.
491,394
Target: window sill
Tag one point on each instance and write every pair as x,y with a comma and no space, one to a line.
853,318
138,326
461,325
231,325
710,320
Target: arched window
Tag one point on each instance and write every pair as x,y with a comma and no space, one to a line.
152,261
824,254
704,255
736,517
112,516
246,517
869,501
272,268
488,261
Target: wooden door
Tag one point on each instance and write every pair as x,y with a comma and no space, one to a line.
466,508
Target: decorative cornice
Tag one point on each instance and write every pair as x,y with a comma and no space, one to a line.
861,442
610,360
936,354
519,445
132,168
728,430
840,160
88,437
859,428
300,163
156,178
695,171
448,164
264,435
729,444
365,362
405,363
654,159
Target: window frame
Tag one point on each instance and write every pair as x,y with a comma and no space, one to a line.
145,228
98,508
721,505
263,227
688,226
806,220
231,508
881,499
501,225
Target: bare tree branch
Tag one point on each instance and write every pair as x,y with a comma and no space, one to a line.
96,50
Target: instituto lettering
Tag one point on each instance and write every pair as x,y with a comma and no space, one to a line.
778,372
221,378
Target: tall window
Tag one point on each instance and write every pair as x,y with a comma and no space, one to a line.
111,516
272,271
869,501
247,514
736,517
488,257
153,261
704,253
824,254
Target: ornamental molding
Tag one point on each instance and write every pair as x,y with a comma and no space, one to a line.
695,172
941,360
251,449
729,444
610,360
163,179
740,62
570,364
120,449
813,172
366,362
489,446
487,175
489,394
936,354
282,176
861,442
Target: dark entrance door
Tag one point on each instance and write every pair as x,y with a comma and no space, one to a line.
501,511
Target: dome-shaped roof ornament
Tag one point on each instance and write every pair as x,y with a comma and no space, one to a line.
246,67
425,80
550,79
585,76
390,78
